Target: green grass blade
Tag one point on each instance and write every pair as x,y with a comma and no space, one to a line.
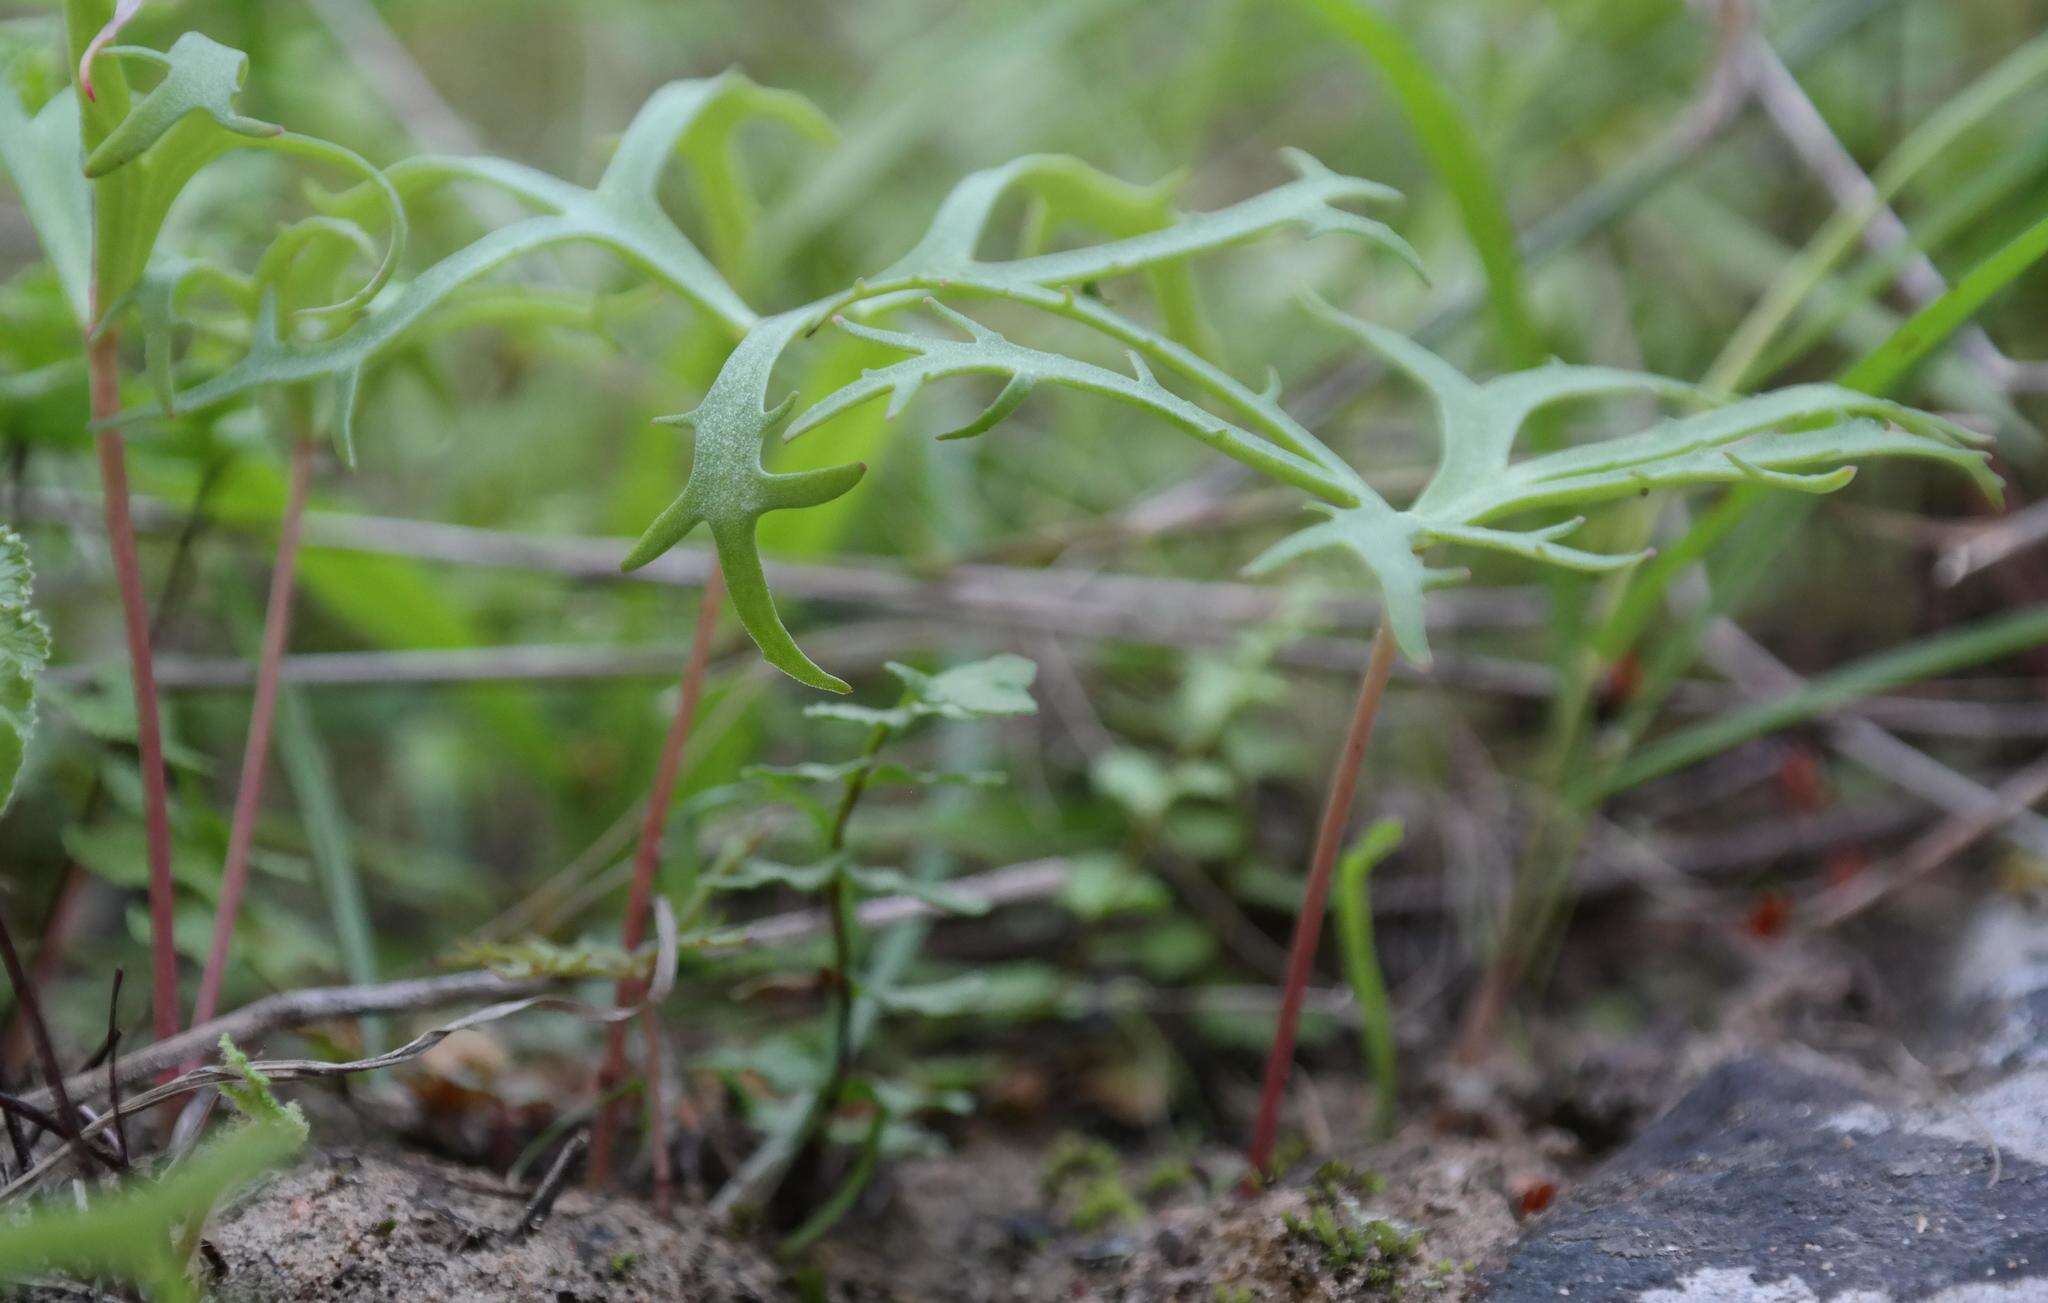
2020,71
1362,965
311,774
842,1199
1941,654
1884,367
1457,159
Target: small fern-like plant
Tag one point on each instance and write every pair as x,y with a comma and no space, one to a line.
995,688
111,161
1804,439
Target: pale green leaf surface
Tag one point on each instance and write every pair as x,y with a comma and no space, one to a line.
885,773
895,882
946,999
1805,439
997,686
622,213
41,155
184,122
24,650
729,488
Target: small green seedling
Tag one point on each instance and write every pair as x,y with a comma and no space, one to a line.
1805,439
998,687
147,1231
1084,1178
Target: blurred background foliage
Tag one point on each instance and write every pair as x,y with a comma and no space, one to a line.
1180,745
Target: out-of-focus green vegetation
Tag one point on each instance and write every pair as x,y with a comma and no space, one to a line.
476,703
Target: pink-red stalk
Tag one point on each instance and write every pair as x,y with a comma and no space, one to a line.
640,895
277,624
102,358
1308,925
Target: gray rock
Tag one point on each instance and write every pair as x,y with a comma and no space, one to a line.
1773,1183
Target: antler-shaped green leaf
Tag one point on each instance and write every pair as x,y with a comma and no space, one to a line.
986,352
1805,439
185,122
729,489
621,212
24,648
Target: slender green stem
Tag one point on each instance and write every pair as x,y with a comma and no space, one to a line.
840,907
1362,964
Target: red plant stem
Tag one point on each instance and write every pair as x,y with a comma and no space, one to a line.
646,858
277,624
1308,925
102,359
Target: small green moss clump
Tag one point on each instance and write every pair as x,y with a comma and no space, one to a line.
1071,1158
1103,1202
1167,1177
1375,1248
1337,1177
1086,1177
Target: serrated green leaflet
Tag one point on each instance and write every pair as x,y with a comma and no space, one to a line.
882,774
24,650
187,120
690,119
945,999
997,686
1806,439
729,489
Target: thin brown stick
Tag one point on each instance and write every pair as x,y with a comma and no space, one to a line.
1308,926
646,858
277,625
1931,850
657,1111
1066,601
114,1068
103,363
550,1188
58,928
20,1110
252,1022
70,1125
278,1070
